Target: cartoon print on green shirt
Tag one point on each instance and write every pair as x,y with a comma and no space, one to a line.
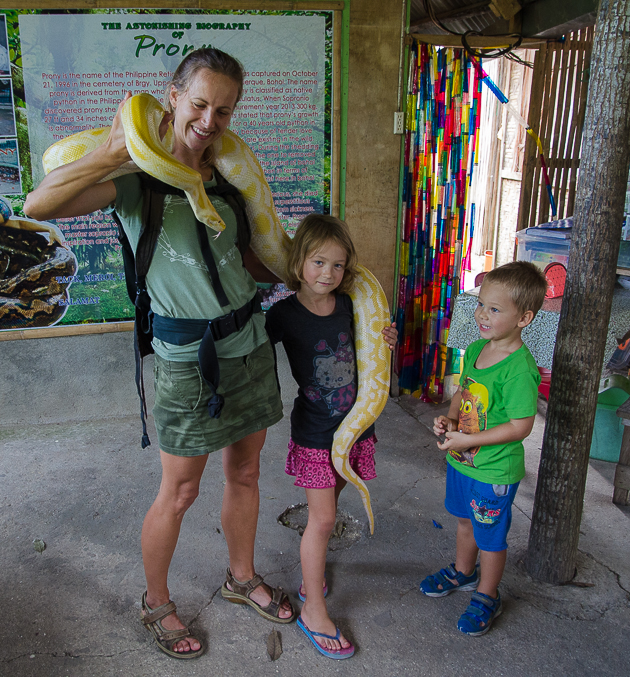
472,416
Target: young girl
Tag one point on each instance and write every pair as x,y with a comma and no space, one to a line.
315,327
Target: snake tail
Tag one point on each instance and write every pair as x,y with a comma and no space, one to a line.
371,315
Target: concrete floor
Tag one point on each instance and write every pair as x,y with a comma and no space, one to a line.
83,488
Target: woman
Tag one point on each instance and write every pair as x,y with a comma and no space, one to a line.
201,99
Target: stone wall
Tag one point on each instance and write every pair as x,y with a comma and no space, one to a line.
70,378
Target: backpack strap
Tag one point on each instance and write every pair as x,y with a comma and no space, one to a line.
137,267
182,331
232,195
142,327
213,271
223,189
137,264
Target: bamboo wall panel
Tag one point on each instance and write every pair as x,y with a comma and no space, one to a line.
556,114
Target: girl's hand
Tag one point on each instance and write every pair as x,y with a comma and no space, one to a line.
455,441
443,424
390,335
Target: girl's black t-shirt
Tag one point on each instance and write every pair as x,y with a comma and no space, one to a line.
322,360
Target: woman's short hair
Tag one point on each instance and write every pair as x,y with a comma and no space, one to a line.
213,60
525,283
313,233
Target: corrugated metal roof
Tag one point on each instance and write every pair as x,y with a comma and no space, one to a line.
458,15
537,17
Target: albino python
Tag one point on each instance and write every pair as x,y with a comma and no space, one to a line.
141,117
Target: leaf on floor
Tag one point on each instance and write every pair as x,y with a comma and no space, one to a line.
274,645
39,545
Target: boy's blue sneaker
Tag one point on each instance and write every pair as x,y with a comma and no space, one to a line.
447,580
478,617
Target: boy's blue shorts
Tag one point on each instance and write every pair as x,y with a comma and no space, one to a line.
488,506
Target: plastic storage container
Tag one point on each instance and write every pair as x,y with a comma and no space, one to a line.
623,261
608,429
541,247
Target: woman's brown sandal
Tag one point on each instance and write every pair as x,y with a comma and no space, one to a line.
167,638
241,591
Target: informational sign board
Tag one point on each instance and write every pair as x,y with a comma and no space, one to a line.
63,73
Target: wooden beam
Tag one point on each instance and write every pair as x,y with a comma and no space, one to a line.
483,41
552,19
66,330
175,4
335,161
505,9
458,13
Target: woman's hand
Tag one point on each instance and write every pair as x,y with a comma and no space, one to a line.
390,335
166,121
79,188
116,143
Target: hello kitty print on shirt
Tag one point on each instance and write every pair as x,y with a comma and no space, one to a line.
333,377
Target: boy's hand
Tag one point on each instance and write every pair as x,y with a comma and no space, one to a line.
443,424
455,441
390,335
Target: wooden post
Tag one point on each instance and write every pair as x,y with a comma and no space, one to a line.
579,350
621,491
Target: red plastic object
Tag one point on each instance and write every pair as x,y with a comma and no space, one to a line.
545,382
479,277
556,275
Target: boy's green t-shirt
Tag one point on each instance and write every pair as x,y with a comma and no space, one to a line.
178,281
507,390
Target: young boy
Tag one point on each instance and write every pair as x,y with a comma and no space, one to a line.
490,415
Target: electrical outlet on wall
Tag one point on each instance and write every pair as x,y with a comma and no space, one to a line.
399,122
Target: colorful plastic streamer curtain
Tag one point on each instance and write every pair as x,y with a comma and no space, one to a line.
443,107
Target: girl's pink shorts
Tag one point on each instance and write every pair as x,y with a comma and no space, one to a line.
313,469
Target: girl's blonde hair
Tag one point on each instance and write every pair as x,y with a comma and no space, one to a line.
213,60
315,232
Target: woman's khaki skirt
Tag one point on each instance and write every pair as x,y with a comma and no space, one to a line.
252,402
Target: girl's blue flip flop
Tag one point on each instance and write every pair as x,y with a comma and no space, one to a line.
302,596
337,655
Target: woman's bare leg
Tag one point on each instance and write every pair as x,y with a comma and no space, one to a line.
178,490
239,514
